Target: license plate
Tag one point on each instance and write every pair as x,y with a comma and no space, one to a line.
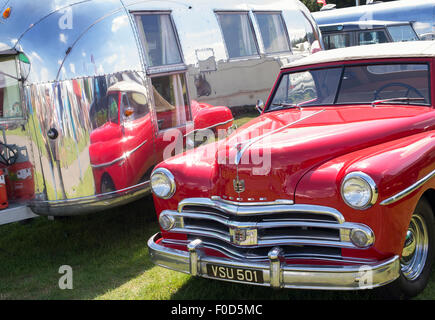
236,274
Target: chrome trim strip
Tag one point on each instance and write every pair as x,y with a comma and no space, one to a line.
408,190
246,145
228,251
79,206
124,156
269,242
276,272
248,208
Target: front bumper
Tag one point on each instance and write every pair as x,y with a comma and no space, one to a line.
276,273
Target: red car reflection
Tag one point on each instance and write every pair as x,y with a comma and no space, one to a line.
128,139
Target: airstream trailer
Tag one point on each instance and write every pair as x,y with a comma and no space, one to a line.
92,93
419,12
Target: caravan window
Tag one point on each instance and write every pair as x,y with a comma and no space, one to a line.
159,39
169,87
402,33
10,99
238,34
337,40
372,37
170,99
273,32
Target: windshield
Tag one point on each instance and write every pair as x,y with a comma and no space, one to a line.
353,84
10,101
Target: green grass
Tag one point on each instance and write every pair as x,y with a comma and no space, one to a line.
244,118
109,257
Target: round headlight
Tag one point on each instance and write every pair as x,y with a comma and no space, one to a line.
163,183
359,191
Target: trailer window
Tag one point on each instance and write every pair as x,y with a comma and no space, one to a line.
273,32
10,99
402,33
238,34
159,39
372,37
170,99
335,41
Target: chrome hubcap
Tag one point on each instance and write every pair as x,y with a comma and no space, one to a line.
414,253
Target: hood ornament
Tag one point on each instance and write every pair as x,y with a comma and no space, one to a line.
239,185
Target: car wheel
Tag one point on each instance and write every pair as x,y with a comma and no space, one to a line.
417,255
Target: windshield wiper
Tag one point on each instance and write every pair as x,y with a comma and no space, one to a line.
407,99
286,105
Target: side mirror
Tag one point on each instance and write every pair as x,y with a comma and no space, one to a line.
260,106
128,112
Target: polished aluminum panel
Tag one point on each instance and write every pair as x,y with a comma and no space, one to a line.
84,67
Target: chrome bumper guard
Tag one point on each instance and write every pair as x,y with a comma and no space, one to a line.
276,273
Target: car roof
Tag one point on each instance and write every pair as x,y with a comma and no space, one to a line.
127,86
409,49
360,25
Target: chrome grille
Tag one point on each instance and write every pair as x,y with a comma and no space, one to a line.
248,229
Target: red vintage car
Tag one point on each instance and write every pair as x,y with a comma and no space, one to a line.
331,187
129,136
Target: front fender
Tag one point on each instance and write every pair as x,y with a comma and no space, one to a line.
394,166
206,116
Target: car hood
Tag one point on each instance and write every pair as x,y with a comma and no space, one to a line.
279,147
